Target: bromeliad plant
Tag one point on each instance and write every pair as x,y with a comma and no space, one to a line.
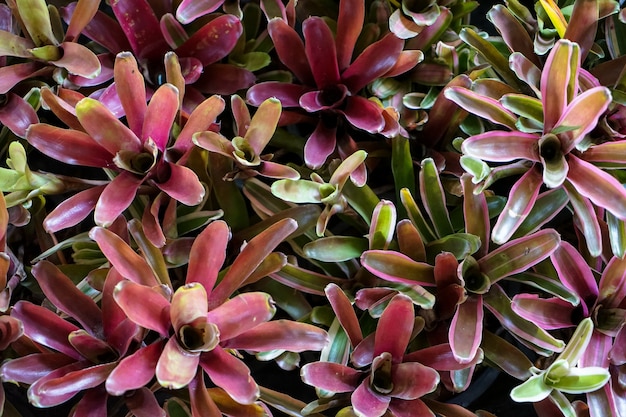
338,208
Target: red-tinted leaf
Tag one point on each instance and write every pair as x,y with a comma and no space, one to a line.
213,41
231,374
153,312
141,27
394,328
373,62
62,292
290,49
136,370
320,52
45,327
67,145
331,376
17,114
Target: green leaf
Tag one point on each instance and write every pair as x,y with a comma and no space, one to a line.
336,351
617,234
298,191
227,193
547,284
151,253
383,225
335,248
547,206
195,220
523,105
499,62
577,343
533,390
416,216
304,280
459,244
175,407
504,355
582,380
434,198
561,401
252,61
402,167
482,106
478,168
396,267
519,254
418,294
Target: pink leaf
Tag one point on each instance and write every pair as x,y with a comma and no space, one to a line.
320,52
160,115
134,371
144,305
17,114
465,331
349,26
280,334
345,313
290,50
394,328
116,197
330,376
231,374
67,145
73,210
241,313
62,292
131,90
212,41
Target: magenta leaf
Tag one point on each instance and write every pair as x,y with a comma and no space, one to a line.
68,145
394,328
152,313
128,263
321,52
62,292
134,371
465,331
212,41
331,376
290,50
231,374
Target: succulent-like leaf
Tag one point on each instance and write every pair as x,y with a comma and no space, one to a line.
290,49
519,255
213,41
231,374
521,200
241,313
396,267
500,305
500,146
465,331
394,328
330,376
598,186
153,313
559,81
62,292
321,52
250,257
434,198
68,145
188,10
482,106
